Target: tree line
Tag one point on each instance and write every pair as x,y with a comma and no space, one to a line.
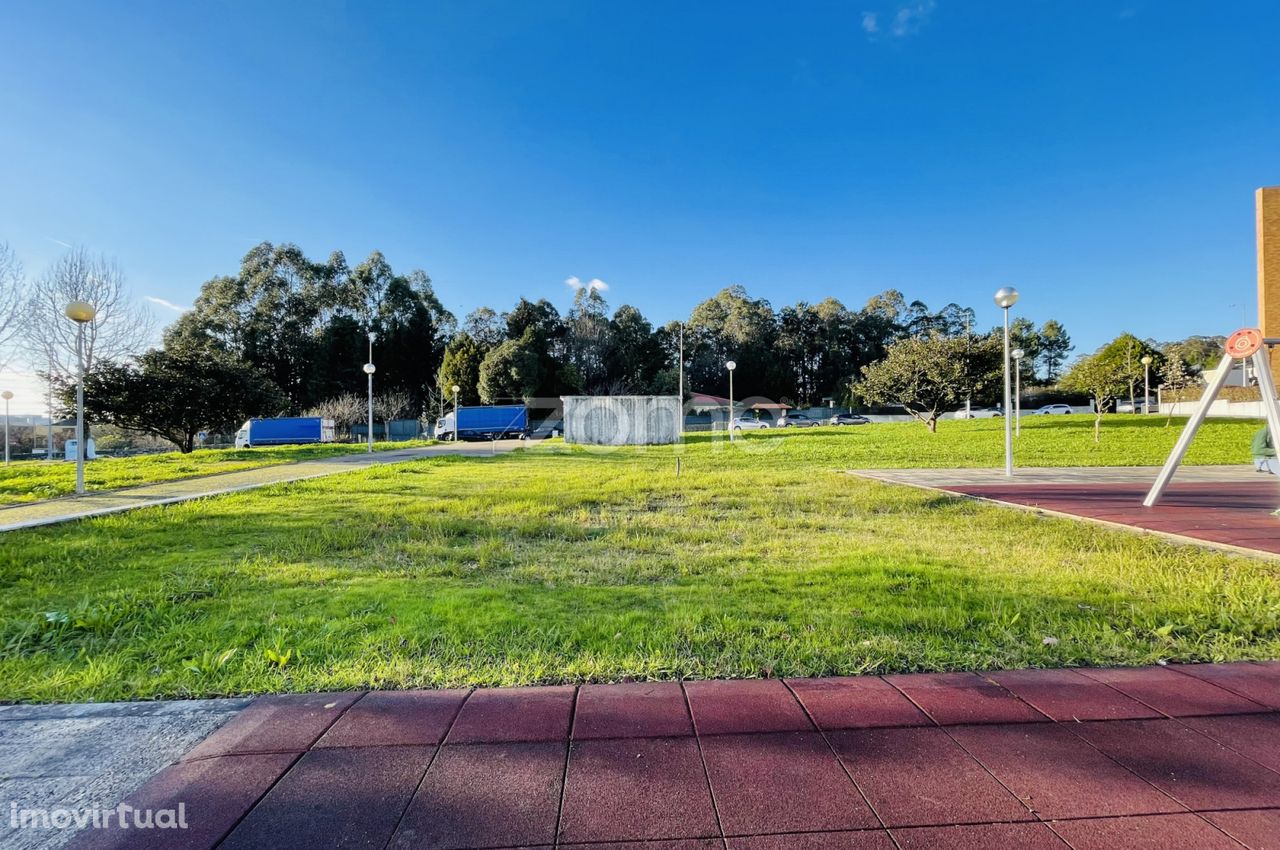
288,334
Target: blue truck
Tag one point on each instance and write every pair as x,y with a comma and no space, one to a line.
284,431
494,422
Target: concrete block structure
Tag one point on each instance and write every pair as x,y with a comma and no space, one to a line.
626,420
1268,204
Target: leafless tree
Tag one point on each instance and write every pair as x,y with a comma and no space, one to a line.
345,410
12,300
393,405
120,329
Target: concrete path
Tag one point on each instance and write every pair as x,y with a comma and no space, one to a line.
91,755
149,495
1227,507
1163,758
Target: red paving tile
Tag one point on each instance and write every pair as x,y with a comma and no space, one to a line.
348,798
993,836
951,698
920,777
678,844
1172,693
753,705
514,714
788,782
1239,515
216,793
1058,775
856,702
635,710
391,718
872,839
1150,832
486,795
276,724
1258,682
640,788
1187,766
1257,830
1065,695
1255,736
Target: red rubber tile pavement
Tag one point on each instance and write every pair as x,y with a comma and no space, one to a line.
1238,514
920,777
1059,775
1198,772
951,698
1257,830
486,795
1173,693
393,718
753,705
784,782
1066,695
1255,736
350,798
288,723
514,714
994,836
499,780
856,702
872,839
216,793
1258,682
1149,832
639,788
634,710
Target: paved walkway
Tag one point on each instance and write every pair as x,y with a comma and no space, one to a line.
112,501
1222,506
1162,758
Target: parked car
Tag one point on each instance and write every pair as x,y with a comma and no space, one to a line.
1136,407
978,413
750,423
848,419
1053,410
796,420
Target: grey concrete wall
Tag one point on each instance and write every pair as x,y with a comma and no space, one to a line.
627,420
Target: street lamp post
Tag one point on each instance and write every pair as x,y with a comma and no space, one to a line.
1146,383
6,395
1018,354
730,365
456,415
1006,297
82,313
369,369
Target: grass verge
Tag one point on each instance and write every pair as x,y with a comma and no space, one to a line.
562,565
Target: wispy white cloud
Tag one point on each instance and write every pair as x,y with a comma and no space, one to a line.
58,242
907,19
595,283
168,305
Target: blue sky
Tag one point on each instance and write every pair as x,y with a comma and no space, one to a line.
1100,156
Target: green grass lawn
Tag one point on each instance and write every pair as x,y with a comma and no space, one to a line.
554,564
33,480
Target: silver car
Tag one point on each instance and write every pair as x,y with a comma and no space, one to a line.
750,423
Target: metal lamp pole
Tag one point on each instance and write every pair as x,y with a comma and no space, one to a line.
1006,297
456,414
6,395
1146,383
369,369
730,365
82,313
1017,391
